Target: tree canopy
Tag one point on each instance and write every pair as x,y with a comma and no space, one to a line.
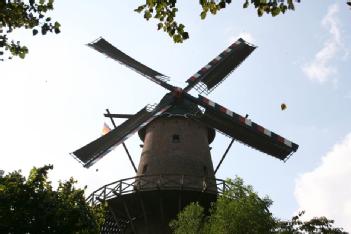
31,205
241,210
314,225
30,15
165,11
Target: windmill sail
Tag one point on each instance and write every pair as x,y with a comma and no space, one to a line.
211,75
244,130
109,50
95,150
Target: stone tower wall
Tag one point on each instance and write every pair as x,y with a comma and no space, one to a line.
176,145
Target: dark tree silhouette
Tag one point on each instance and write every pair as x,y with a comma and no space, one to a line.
30,15
32,206
164,11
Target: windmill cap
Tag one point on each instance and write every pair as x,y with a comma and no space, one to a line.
211,133
181,109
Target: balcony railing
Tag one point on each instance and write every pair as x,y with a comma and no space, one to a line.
154,182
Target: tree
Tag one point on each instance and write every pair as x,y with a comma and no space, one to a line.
32,206
315,225
241,210
238,210
164,11
31,15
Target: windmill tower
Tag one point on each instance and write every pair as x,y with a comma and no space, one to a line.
175,165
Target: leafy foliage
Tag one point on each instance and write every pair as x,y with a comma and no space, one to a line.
15,14
32,206
238,210
31,14
190,220
165,12
241,210
315,225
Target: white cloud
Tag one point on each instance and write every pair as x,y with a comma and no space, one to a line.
244,35
326,190
320,69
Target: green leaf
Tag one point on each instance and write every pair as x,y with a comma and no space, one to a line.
159,26
275,11
140,8
22,55
35,32
222,5
171,32
57,25
203,15
185,35
177,38
147,15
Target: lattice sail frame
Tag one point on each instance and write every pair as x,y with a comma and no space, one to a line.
91,153
205,80
218,69
246,123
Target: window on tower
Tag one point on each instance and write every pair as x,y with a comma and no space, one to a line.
175,138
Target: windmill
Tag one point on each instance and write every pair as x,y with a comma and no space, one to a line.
175,167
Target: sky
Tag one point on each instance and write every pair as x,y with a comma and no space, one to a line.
53,101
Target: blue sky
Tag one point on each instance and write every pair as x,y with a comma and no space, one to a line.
53,101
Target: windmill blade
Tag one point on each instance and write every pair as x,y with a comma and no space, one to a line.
109,50
244,130
95,150
215,72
